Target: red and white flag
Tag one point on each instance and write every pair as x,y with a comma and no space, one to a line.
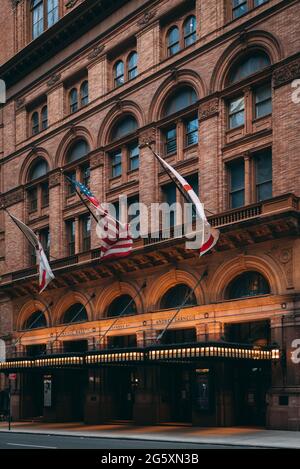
116,240
45,272
209,235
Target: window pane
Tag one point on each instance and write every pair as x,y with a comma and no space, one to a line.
192,132
53,12
44,117
171,140
132,65
263,172
236,113
134,157
116,164
35,123
189,31
39,169
78,150
181,99
73,100
173,41
259,2
263,101
237,184
45,194
248,65
84,93
124,127
119,73
169,196
37,19
239,8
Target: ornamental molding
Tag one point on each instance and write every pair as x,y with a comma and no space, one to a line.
13,197
70,3
286,73
20,103
96,52
53,79
285,259
208,109
147,136
54,179
146,18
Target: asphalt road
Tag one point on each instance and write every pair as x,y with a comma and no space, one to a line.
34,441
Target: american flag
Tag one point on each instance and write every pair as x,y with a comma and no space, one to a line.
116,240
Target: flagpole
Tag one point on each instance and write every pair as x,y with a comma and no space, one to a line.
173,179
80,196
122,312
204,274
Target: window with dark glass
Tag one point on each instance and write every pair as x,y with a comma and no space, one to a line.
73,100
45,13
124,305
132,65
254,332
170,140
236,111
35,321
70,225
70,187
35,127
237,184
84,93
191,131
257,3
77,150
134,215
173,41
248,65
123,127
53,12
239,8
45,194
248,284
44,237
116,163
32,255
75,313
178,295
119,73
189,30
86,232
169,197
44,117
179,336
86,175
39,169
75,346
182,98
122,341
263,100
133,153
263,175
33,199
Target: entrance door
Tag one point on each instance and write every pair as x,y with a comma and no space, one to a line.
32,406
176,403
121,387
251,385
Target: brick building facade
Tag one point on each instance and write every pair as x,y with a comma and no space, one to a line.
210,85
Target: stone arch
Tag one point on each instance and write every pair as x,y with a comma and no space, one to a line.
108,295
227,271
75,133
118,111
177,79
254,40
31,307
30,159
170,279
69,300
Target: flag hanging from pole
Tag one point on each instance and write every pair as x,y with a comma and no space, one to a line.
210,235
115,237
45,272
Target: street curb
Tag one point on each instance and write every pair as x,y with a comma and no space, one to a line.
139,438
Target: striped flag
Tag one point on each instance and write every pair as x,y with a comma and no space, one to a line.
210,235
45,272
116,240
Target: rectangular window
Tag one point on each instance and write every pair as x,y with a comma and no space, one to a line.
263,175
86,232
170,141
169,196
263,101
70,226
239,8
86,175
133,157
70,188
237,184
33,199
37,18
236,112
53,12
193,181
45,194
116,163
134,215
191,132
44,237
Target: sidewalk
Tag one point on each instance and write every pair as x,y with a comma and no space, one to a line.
257,437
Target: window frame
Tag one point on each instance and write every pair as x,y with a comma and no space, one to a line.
180,25
241,189
44,6
71,237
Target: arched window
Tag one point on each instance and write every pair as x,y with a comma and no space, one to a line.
189,30
123,304
248,65
132,65
173,41
119,73
35,320
175,297
44,117
73,100
35,127
84,93
38,169
77,150
123,127
182,98
75,313
248,284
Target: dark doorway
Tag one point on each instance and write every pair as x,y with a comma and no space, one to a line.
32,402
121,385
175,384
